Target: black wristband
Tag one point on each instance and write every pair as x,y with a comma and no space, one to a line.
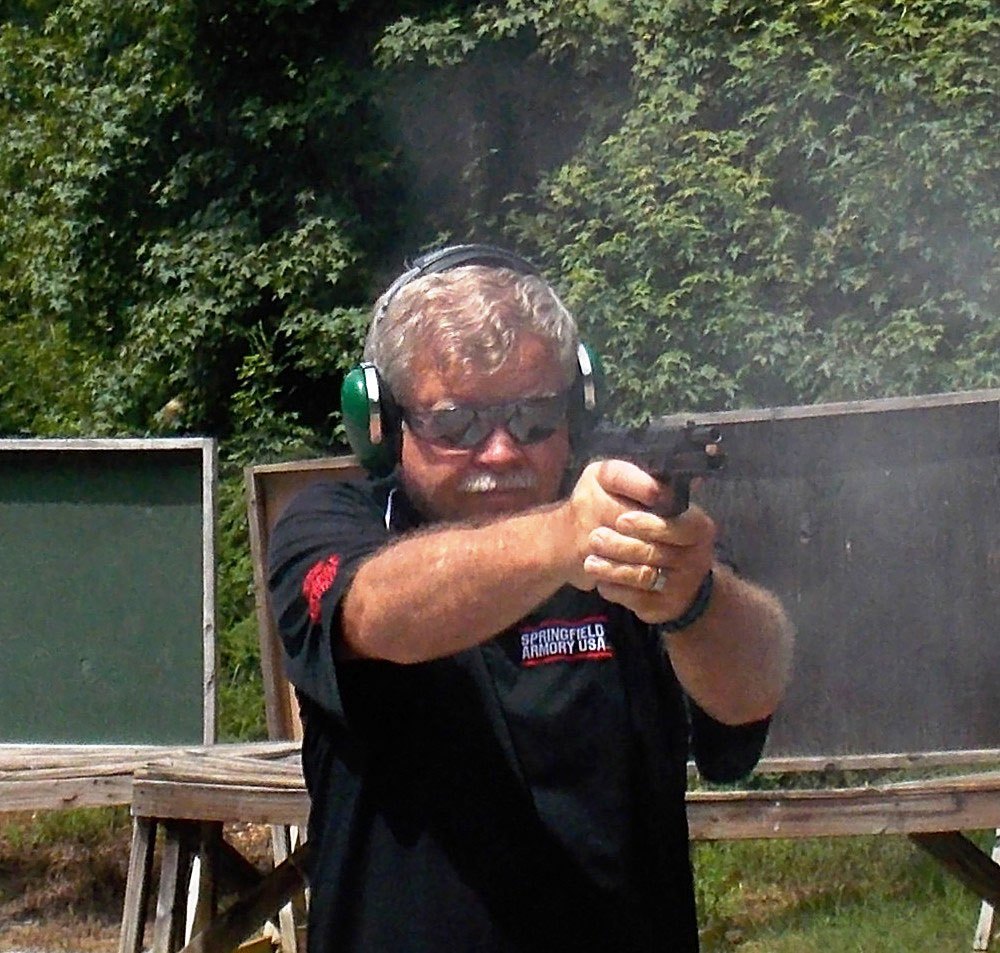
697,608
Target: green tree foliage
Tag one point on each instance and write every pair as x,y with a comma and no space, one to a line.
191,196
801,203
791,202
192,192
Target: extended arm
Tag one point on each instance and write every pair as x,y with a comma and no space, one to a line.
735,660
436,592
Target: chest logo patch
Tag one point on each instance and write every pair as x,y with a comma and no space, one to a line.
317,583
562,640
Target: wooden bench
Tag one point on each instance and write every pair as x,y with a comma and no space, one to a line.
59,777
191,797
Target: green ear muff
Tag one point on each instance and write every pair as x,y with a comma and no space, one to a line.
370,420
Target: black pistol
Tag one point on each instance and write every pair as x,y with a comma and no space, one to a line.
670,453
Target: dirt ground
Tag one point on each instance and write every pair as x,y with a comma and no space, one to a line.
62,887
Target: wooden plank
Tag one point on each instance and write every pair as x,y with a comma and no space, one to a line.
58,795
987,757
204,895
19,756
168,925
23,765
949,804
69,772
68,778
247,914
210,648
236,872
220,802
841,408
287,931
278,708
984,926
347,463
225,771
101,443
943,804
140,868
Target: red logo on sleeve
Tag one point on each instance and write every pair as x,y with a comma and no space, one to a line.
317,583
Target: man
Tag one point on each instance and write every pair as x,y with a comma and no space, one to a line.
501,675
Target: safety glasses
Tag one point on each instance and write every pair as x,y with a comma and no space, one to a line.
528,421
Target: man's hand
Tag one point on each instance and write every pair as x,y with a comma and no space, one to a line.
649,563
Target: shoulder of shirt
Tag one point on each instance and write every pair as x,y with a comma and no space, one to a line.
325,493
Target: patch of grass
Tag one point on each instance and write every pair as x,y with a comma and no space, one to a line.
62,878
830,895
85,827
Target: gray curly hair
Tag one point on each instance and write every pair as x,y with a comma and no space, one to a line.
466,318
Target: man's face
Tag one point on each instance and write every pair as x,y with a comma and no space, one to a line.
499,474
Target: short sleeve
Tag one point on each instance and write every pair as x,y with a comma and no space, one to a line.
316,547
725,753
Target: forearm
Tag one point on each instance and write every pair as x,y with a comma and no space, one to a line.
736,659
435,593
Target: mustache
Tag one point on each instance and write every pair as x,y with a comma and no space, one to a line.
486,481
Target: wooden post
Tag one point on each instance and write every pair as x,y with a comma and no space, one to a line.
140,866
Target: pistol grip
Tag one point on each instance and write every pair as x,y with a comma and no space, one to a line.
681,486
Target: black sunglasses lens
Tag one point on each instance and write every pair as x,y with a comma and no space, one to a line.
458,427
527,421
533,421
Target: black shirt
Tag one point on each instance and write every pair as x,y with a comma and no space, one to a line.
525,795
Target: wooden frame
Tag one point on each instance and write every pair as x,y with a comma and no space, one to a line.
46,776
206,447
269,488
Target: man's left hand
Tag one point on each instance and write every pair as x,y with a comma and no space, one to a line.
652,564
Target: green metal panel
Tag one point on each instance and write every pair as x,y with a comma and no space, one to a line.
102,596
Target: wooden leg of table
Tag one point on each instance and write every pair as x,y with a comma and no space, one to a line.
140,866
171,903
281,847
204,899
984,928
247,914
965,860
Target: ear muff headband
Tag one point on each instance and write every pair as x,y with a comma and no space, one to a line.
454,256
371,417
